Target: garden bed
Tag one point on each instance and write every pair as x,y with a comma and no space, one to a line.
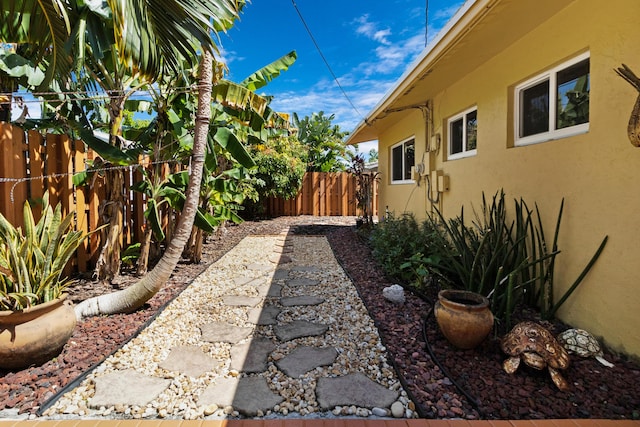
596,391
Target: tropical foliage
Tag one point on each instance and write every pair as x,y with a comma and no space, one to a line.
364,188
327,151
505,257
33,260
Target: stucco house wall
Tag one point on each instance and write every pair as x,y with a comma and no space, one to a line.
597,172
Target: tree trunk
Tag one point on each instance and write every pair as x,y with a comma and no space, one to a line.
108,264
133,297
145,247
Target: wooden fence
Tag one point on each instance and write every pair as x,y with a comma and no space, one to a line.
322,194
32,164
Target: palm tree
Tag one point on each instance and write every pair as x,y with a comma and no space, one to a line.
151,37
122,46
133,297
198,19
37,31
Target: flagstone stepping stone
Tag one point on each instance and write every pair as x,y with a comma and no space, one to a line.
298,329
280,259
263,290
259,267
280,274
306,268
304,359
247,395
243,280
302,281
224,332
301,300
189,360
220,393
267,315
251,356
353,389
126,388
241,301
253,394
274,291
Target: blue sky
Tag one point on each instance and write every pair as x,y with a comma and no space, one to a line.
368,44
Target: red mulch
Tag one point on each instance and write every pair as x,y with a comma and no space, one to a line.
485,391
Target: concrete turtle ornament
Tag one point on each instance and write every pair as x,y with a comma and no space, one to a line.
582,343
536,346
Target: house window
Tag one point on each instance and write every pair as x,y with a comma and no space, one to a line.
463,134
554,104
402,160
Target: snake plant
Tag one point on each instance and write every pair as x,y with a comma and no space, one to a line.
32,260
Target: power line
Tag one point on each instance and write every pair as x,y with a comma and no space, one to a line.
88,95
426,23
325,60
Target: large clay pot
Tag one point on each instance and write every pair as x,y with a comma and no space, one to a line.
463,317
36,334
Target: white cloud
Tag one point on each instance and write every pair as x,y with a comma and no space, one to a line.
227,56
370,30
391,59
326,96
367,82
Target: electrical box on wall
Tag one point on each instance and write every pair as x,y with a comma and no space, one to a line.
443,183
434,143
435,175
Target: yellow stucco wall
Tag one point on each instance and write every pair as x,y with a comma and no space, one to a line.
597,173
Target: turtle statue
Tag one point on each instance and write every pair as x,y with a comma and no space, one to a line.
582,343
536,346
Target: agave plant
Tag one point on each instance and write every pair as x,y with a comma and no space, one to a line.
32,261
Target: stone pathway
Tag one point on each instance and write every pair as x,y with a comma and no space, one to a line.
274,328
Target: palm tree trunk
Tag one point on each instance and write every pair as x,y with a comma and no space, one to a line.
133,297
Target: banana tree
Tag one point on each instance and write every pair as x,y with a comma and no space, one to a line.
239,118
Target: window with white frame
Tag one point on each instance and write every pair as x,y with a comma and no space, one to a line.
463,134
402,160
554,104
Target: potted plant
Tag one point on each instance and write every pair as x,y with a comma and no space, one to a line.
483,261
36,320
506,263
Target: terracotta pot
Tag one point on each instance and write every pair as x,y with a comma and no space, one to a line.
35,335
463,317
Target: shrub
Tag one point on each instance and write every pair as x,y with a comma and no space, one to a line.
400,245
508,261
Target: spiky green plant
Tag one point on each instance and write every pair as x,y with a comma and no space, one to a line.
32,262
